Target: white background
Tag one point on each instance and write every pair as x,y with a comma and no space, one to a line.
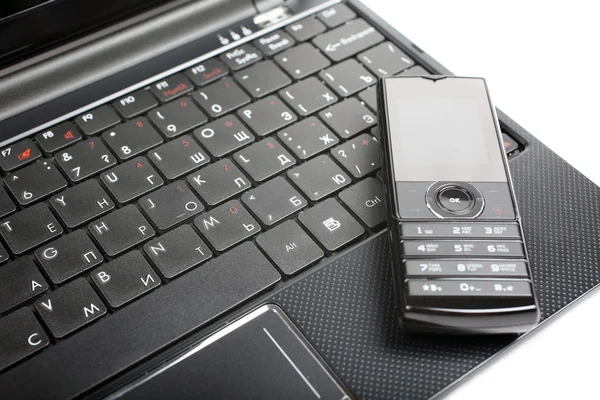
541,61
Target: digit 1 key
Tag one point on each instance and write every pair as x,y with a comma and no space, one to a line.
35,182
171,205
29,228
132,138
131,179
85,159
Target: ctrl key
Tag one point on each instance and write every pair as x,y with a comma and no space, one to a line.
22,336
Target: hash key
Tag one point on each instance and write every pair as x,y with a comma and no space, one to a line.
347,77
224,135
176,118
171,205
35,182
308,96
262,79
85,159
267,115
227,225
221,97
20,281
348,118
218,182
132,138
81,203
308,137
177,251
264,159
360,156
29,228
132,179
331,224
70,308
125,279
18,154
178,157
319,177
121,230
274,200
302,61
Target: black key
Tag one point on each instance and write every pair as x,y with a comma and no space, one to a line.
58,137
171,205
509,144
178,157
125,279
18,154
308,137
68,256
360,156
347,78
85,159
262,78
274,200
177,251
207,72
97,120
171,87
3,255
319,177
302,61
331,224
132,138
241,57
305,29
274,42
308,96
224,135
22,336
131,180
169,313
221,97
135,103
385,59
20,281
227,225
348,118
29,228
218,182
121,230
348,40
264,159
290,248
81,203
369,96
70,308
336,15
365,199
35,182
417,70
178,117
375,132
267,115
6,204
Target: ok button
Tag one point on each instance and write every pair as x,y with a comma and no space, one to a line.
455,199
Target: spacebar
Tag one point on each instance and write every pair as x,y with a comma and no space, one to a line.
119,340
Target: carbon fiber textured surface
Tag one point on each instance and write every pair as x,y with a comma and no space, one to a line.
347,308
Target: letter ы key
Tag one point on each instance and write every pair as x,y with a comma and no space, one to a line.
290,248
35,182
385,59
124,279
221,97
20,281
347,78
224,136
241,57
81,203
274,200
308,137
365,199
171,87
227,225
22,335
121,230
360,156
262,78
348,118
135,103
348,40
97,120
267,115
177,251
131,179
132,138
70,307
302,61
308,96
207,72
176,118
58,137
171,205
218,182
68,256
331,224
319,177
264,159
29,228
85,159
18,154
305,29
178,157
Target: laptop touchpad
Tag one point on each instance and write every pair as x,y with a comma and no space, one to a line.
260,356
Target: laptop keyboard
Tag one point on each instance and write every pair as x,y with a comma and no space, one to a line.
270,146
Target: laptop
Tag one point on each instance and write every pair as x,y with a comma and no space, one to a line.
191,205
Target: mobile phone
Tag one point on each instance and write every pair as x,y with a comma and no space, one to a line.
458,251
